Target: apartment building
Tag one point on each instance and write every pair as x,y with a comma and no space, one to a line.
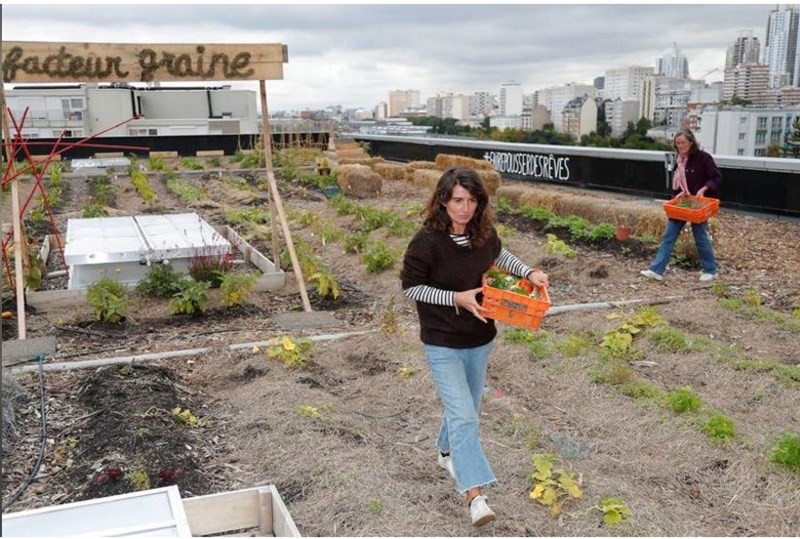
746,131
579,117
83,110
782,48
619,112
746,81
626,83
511,99
556,98
400,100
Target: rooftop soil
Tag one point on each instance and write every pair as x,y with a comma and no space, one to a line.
348,438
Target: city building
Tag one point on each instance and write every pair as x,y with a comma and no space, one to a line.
400,100
747,131
745,50
782,47
482,104
449,105
579,117
664,100
626,82
511,99
83,110
673,64
556,98
746,81
619,113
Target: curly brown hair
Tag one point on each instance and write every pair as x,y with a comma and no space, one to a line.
480,228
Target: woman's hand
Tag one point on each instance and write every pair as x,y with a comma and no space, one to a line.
539,278
702,191
468,300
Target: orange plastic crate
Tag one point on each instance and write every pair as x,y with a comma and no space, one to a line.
515,309
709,207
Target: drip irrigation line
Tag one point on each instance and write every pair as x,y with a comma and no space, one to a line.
42,443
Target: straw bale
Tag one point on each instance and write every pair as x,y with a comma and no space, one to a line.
422,164
359,181
539,199
360,160
445,161
491,180
392,171
426,178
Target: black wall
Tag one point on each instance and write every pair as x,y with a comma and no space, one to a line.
753,189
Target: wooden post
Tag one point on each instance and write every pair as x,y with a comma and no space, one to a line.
19,251
276,197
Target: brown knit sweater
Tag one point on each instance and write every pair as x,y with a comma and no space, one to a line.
434,259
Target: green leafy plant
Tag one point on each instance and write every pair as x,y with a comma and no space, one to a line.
375,506
307,410
109,300
156,163
683,399
614,510
572,345
162,281
187,418
138,479
191,164
557,246
293,353
720,428
235,287
786,451
192,298
378,257
552,487
326,284
142,184
355,242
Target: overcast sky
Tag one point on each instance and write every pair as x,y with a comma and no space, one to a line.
353,55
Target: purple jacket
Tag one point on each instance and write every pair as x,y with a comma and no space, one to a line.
701,170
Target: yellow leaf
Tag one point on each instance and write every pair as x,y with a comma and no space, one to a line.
537,492
255,348
575,491
612,517
555,509
288,344
549,496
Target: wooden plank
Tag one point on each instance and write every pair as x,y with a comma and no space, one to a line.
210,153
34,61
105,155
265,517
282,522
164,155
225,511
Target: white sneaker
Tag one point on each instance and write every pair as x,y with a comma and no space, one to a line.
480,512
447,464
650,274
707,276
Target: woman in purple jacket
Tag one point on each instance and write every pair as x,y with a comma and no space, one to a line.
695,174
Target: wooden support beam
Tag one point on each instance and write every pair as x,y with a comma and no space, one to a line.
275,201
19,250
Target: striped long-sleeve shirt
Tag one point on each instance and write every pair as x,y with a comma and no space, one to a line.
436,296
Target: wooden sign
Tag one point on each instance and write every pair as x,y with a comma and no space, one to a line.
35,61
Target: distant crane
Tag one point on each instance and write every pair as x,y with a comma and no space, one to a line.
710,72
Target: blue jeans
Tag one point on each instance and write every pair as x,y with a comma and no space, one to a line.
701,240
460,375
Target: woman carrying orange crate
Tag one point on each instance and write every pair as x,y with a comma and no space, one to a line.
442,272
695,174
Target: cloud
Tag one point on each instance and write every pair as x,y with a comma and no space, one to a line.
354,54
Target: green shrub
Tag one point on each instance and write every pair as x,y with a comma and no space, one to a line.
109,300
192,298
235,287
670,339
720,428
156,163
191,164
786,451
378,258
355,242
162,281
683,399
